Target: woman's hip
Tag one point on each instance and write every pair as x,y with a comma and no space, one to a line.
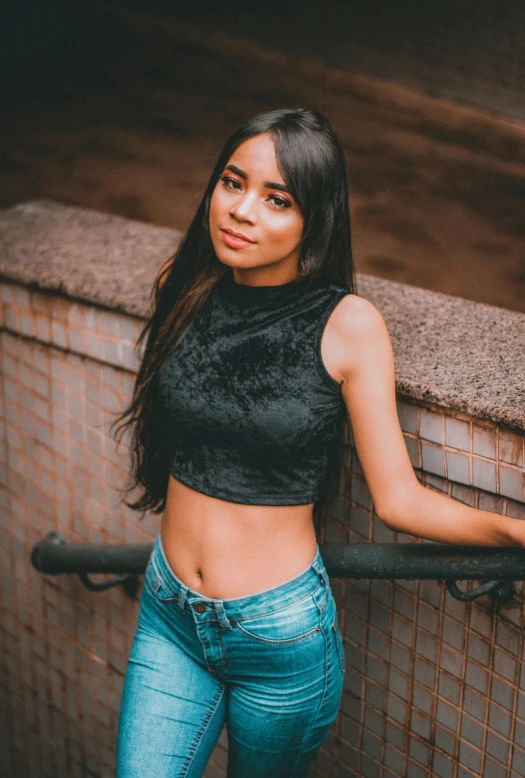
287,629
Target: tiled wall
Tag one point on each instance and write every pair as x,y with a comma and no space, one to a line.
433,686
63,647
467,451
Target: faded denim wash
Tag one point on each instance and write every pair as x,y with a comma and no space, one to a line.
270,665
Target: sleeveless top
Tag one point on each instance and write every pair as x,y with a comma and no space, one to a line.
249,407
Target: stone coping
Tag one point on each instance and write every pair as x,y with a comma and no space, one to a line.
457,353
84,254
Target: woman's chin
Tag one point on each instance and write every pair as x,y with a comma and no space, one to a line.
233,259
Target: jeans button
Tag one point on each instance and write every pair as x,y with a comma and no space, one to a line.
200,607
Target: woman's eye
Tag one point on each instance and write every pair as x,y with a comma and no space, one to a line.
281,202
232,183
228,182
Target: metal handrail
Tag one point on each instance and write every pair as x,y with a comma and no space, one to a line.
54,555
497,567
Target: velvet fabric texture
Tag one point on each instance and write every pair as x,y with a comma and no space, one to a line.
251,411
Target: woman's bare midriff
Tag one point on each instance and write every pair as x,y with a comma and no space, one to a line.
224,549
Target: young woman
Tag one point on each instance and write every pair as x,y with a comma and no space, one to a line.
257,349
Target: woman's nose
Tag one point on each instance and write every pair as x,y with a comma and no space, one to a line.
245,207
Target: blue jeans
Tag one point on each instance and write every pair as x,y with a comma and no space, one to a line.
270,665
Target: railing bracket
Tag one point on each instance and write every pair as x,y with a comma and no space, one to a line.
500,591
54,555
129,582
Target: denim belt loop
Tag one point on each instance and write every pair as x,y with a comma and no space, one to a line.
221,614
181,599
319,568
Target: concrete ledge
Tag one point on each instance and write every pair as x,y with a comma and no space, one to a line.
459,354
83,254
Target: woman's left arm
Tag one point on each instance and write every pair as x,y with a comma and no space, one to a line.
366,364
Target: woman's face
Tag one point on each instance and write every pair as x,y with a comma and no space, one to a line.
251,200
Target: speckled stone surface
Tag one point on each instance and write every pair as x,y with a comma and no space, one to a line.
460,354
83,253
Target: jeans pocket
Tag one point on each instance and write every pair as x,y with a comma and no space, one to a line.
156,583
339,645
289,624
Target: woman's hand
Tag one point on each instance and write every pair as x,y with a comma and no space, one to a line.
366,362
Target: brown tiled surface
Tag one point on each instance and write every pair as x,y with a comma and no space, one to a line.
73,326
65,647
463,449
434,687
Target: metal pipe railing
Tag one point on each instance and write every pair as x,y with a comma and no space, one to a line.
497,567
55,555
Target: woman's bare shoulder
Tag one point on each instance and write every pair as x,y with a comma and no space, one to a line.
357,329
355,315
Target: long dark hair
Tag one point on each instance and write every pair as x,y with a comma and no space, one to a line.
312,164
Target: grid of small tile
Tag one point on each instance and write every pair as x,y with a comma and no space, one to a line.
465,450
433,686
76,327
64,649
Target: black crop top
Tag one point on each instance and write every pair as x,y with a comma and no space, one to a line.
250,408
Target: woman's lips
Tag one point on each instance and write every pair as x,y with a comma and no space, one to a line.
235,242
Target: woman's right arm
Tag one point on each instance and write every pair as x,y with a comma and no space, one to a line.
400,500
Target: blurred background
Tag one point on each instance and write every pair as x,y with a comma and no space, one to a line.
124,106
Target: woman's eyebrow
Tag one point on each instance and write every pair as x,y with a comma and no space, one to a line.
267,184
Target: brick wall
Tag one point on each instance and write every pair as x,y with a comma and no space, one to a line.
433,686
